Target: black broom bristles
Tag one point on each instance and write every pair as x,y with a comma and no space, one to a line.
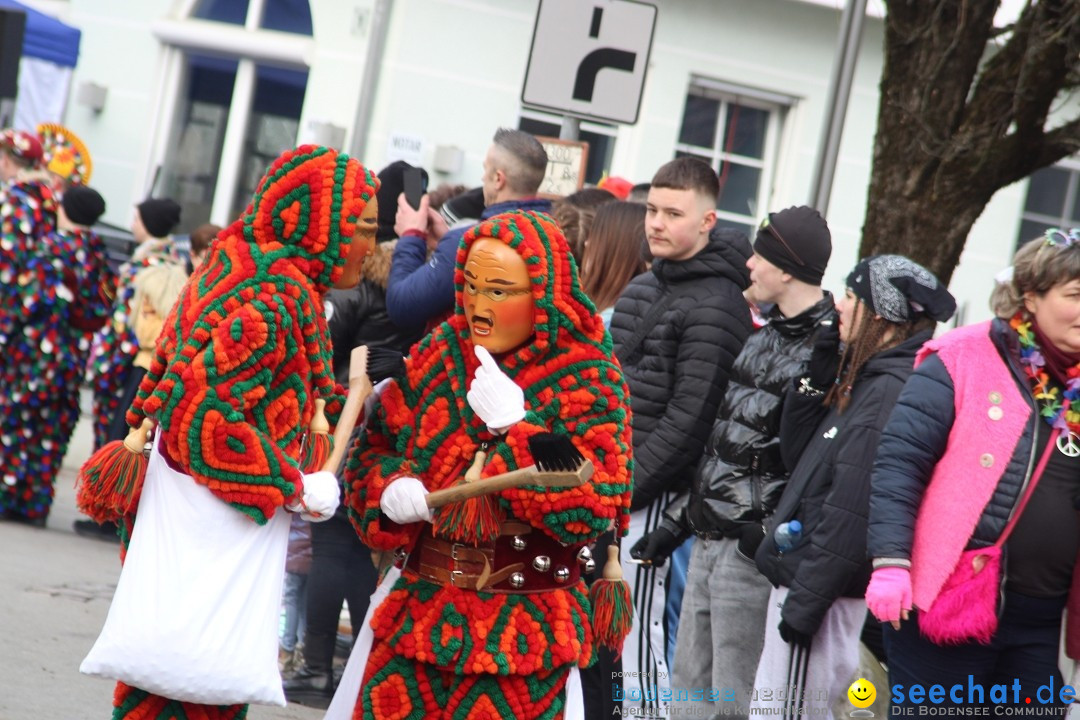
554,453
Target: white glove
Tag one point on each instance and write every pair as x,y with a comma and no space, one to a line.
493,396
322,494
403,501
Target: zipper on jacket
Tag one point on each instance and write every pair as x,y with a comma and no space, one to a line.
1030,465
755,489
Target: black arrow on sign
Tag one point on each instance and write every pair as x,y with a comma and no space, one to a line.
599,59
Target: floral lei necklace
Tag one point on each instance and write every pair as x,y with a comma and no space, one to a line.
1059,412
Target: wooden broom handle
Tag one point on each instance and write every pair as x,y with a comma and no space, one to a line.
523,476
359,389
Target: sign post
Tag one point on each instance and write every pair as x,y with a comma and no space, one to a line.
589,58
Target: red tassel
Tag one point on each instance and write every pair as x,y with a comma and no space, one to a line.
110,482
319,443
473,521
613,608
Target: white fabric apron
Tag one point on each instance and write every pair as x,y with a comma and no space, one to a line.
195,613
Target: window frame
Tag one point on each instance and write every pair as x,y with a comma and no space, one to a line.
1070,165
775,104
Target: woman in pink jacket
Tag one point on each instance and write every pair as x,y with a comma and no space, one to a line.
973,523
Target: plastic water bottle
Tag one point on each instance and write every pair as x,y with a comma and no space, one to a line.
787,535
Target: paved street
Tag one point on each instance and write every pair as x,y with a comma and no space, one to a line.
54,597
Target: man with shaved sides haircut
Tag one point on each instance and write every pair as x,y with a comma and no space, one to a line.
421,289
677,330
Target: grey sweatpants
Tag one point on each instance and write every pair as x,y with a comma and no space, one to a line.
828,671
721,630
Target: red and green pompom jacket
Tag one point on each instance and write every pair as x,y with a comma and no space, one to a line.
246,351
425,428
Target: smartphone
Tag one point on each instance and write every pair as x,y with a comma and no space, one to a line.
414,186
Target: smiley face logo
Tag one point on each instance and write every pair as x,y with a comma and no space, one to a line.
862,693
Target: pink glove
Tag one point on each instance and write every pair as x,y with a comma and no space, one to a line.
889,593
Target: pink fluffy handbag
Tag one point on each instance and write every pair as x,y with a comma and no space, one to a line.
966,609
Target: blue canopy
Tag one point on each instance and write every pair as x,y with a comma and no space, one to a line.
46,38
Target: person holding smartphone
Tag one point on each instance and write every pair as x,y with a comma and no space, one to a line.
421,289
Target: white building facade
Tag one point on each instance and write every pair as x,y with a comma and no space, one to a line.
202,94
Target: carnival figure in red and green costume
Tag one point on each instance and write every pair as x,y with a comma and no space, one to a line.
243,357
490,625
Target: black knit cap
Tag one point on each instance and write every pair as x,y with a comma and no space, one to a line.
160,216
900,290
392,179
83,205
796,240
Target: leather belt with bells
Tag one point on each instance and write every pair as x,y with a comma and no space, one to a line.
519,561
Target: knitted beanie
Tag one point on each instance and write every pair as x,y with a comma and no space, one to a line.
160,216
796,240
900,290
83,205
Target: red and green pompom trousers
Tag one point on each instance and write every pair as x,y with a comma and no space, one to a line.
131,703
400,688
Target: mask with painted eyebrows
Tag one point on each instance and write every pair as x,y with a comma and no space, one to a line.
498,299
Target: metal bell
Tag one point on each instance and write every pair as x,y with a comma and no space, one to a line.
517,580
584,557
518,543
562,574
542,563
589,565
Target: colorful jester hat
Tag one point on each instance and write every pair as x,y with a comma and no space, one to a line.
64,153
246,351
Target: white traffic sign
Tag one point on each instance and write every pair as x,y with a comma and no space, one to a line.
589,58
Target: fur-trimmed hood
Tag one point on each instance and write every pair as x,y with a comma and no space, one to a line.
377,267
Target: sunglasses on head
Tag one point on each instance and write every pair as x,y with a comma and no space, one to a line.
1057,237
771,229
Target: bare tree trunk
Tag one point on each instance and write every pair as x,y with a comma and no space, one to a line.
958,119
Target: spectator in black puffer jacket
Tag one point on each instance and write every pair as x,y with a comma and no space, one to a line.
677,330
741,474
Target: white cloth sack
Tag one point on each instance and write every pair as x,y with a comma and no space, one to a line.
195,613
348,690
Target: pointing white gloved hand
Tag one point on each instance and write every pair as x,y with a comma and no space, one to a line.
322,494
493,396
403,501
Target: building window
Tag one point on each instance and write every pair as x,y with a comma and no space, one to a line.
736,134
272,126
1053,201
233,12
601,139
191,173
292,16
233,115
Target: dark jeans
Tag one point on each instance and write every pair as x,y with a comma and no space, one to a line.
341,569
1023,654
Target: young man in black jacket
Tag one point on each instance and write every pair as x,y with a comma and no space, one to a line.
677,331
741,474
